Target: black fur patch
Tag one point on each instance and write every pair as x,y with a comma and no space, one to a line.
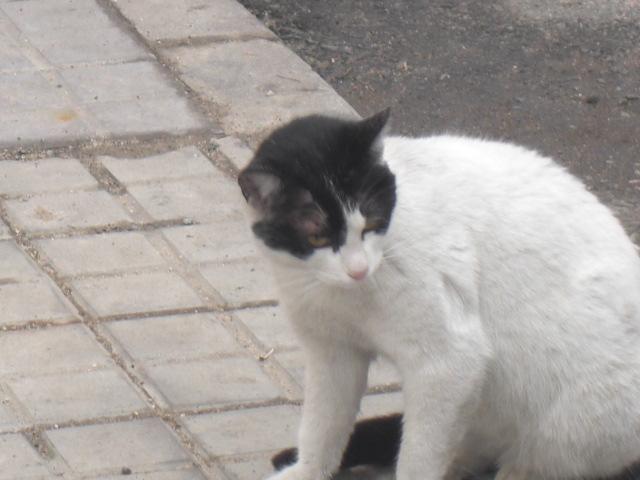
374,441
306,173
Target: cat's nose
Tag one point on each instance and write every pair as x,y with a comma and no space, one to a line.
354,261
358,274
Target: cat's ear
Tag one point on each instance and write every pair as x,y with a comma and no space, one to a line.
259,188
373,129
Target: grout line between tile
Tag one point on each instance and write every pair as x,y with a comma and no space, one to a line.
197,453
195,99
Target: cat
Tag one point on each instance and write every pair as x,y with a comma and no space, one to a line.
506,294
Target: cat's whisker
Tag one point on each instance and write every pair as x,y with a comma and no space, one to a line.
309,288
306,288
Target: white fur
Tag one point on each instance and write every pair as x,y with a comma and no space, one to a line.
508,298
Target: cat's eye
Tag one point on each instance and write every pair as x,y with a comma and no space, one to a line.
318,241
371,226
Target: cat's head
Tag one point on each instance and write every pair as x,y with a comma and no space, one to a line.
321,196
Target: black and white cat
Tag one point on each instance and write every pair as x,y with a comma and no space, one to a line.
507,296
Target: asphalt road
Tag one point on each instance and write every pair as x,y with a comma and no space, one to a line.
561,77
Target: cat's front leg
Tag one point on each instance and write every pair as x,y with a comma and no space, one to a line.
441,386
434,425
335,379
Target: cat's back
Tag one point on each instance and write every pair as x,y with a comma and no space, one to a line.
524,214
491,185
473,162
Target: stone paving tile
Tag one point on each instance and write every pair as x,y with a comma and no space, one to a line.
239,282
218,241
150,116
167,19
49,175
213,382
29,90
227,433
50,350
77,396
18,459
81,33
104,253
7,418
18,305
11,59
137,444
259,467
16,266
89,78
136,292
383,373
258,83
4,231
59,210
178,337
176,164
381,404
203,199
182,474
121,82
34,16
235,150
270,325
46,126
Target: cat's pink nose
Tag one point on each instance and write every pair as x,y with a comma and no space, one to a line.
358,274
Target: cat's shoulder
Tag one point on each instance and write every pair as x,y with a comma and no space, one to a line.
460,147
478,157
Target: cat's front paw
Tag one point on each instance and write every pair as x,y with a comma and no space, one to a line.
297,472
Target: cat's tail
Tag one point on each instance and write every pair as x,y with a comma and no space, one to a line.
374,441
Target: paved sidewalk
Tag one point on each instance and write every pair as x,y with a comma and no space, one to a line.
140,335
